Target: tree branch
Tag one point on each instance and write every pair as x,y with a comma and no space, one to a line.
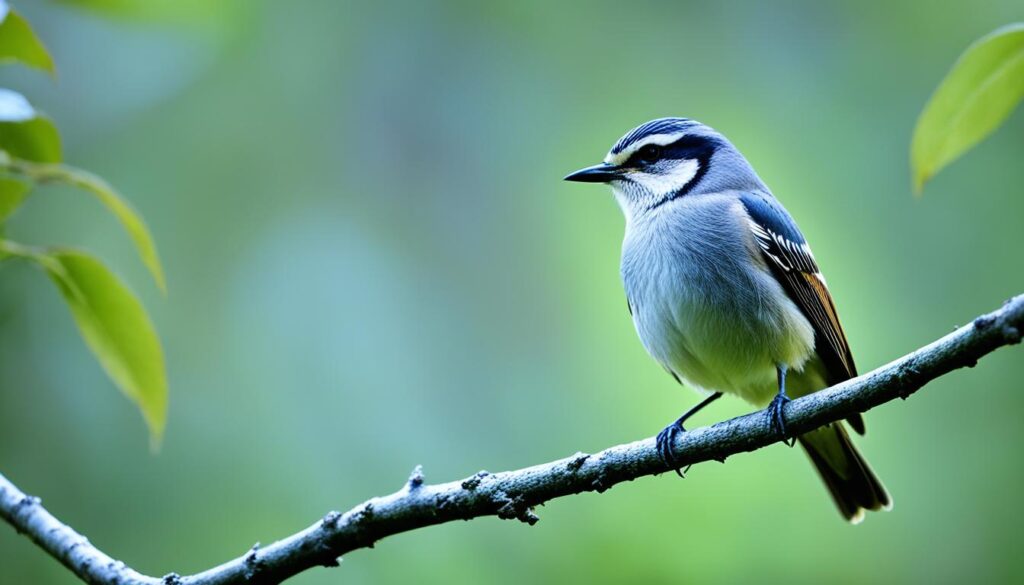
513,494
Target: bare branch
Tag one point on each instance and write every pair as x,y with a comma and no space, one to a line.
64,544
513,494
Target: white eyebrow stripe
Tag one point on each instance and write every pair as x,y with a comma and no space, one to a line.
617,158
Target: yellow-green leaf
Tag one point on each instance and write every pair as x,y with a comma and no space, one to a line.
977,95
117,330
12,193
19,43
24,132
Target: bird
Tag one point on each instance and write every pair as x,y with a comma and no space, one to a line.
726,295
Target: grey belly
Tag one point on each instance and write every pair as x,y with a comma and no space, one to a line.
720,332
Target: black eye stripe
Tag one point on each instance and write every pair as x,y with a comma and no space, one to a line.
649,153
640,158
687,147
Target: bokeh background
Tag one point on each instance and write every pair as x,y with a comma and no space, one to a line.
373,263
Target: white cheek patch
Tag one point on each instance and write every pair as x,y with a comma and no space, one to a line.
665,184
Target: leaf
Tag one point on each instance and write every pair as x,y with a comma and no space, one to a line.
19,43
24,132
117,330
976,96
12,193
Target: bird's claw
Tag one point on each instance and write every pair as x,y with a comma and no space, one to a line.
665,443
776,420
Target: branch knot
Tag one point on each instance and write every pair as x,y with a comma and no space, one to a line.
473,482
330,520
577,461
415,478
515,508
251,562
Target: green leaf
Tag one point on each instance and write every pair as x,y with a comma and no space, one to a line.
977,95
19,43
24,132
117,330
12,194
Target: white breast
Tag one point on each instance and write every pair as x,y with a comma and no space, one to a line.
704,304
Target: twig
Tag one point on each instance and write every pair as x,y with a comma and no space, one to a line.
513,494
60,540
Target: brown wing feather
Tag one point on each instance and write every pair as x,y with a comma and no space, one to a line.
796,270
830,324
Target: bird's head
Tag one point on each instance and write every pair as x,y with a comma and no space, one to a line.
666,159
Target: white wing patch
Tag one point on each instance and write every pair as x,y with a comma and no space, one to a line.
791,254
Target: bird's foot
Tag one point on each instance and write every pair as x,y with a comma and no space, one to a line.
665,444
776,420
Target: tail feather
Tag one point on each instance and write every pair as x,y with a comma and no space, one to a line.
848,477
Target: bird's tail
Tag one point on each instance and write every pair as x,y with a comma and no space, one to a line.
846,474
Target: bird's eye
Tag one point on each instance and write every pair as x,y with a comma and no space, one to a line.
649,153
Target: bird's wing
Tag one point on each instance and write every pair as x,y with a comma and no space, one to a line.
787,254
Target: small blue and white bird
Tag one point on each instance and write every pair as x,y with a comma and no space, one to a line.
725,293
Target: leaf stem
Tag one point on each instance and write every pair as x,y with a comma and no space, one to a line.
42,173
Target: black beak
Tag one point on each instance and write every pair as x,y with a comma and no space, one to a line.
602,173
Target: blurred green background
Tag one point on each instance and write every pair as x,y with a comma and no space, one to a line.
373,263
